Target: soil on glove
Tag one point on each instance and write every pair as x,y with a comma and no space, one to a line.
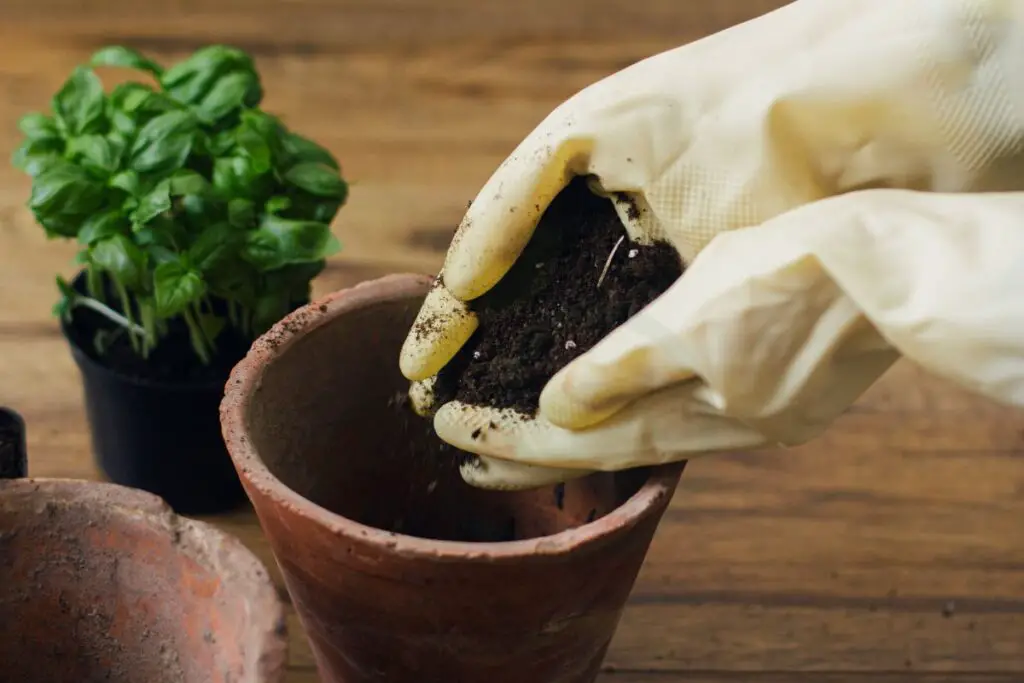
556,302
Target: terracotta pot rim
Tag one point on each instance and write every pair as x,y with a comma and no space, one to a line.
247,376
212,547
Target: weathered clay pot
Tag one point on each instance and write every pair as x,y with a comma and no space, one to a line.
334,464
100,582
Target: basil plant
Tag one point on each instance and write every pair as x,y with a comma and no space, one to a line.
179,194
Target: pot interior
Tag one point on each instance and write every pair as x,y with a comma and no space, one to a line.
331,421
94,589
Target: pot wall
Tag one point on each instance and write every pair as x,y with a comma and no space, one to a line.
340,471
104,583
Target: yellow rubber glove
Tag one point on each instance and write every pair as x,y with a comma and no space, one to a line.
815,100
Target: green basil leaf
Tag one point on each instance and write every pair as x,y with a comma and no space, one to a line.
190,80
213,245
160,254
262,249
62,309
277,205
120,257
279,242
164,143
267,125
241,213
269,309
233,91
176,287
160,232
255,145
317,179
127,97
211,325
234,279
324,212
127,181
122,123
100,226
36,156
200,209
78,105
60,225
299,149
234,176
116,55
293,281
94,152
219,144
154,203
64,188
38,127
186,182
138,98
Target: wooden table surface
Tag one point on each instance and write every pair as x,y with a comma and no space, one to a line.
890,550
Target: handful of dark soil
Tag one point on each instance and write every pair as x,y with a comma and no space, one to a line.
578,279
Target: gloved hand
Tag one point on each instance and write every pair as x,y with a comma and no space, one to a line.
764,340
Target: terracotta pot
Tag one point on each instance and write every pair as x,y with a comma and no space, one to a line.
335,464
99,582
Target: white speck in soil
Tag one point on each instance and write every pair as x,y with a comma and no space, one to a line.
570,345
476,355
633,252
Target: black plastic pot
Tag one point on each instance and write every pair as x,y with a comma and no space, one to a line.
161,437
13,454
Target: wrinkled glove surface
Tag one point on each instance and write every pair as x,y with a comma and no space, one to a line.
838,176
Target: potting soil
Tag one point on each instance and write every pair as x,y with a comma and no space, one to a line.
578,279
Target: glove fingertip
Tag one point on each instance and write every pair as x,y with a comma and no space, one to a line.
442,326
496,436
562,408
422,397
504,475
571,402
501,220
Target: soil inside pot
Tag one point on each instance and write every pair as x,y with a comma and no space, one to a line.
173,360
579,278
331,421
431,500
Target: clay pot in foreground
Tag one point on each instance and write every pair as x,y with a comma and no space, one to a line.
335,466
104,583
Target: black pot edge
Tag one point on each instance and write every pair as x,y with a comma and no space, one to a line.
18,467
83,358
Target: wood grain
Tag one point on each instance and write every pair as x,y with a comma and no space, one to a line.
889,551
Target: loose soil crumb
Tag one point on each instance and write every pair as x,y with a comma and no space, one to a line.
550,309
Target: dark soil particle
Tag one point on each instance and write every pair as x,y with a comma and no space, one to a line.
554,304
560,496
